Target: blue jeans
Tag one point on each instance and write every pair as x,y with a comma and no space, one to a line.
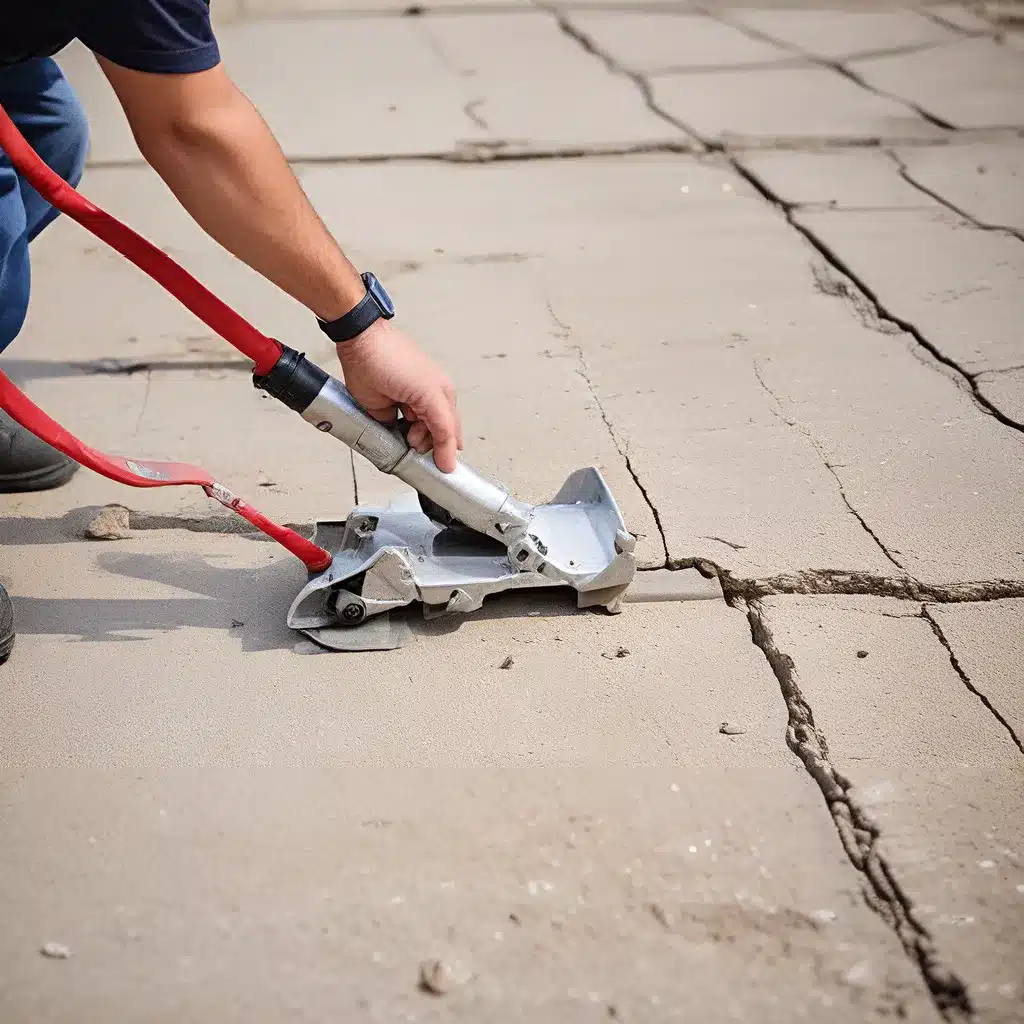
39,100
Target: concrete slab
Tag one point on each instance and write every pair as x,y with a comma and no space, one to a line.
747,107
728,468
959,286
856,179
842,34
937,773
986,641
734,480
91,306
431,90
368,86
563,896
961,18
984,179
537,111
210,418
576,824
661,41
972,83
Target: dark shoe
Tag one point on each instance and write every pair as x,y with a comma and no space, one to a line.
6,625
28,464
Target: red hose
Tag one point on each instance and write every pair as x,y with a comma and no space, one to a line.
217,315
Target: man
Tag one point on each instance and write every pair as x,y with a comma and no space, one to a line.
219,158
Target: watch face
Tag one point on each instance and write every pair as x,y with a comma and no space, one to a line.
381,297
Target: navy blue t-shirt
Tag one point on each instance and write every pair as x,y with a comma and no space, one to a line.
161,36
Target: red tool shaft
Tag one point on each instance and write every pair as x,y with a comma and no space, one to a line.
235,329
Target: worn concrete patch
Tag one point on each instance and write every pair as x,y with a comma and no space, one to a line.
971,83
572,896
928,763
841,34
784,104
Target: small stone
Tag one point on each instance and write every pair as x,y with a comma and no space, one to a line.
111,524
235,623
728,729
262,480
508,662
862,654
439,976
55,950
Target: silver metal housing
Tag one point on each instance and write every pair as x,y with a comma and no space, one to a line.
387,558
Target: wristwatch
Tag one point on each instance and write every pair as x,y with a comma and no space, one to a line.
375,305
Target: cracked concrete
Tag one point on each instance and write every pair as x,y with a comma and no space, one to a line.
945,805
734,258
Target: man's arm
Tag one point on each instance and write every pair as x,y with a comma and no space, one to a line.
219,158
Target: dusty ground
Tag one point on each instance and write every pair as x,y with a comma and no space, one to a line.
764,268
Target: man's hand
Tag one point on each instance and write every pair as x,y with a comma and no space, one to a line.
386,371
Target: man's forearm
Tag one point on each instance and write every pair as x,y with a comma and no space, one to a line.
220,159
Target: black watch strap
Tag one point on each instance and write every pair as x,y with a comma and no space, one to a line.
363,315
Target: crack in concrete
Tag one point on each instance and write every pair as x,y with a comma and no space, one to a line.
882,314
966,380
145,403
858,833
906,175
470,110
792,423
966,680
623,451
129,367
848,582
638,79
838,66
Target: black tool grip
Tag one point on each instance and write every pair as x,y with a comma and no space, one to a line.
294,380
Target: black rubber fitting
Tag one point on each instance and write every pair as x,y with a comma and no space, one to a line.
293,380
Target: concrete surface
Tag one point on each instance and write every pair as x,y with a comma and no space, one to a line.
838,35
796,357
649,42
785,104
942,780
968,84
984,639
985,179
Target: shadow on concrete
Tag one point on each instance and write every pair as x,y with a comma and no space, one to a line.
249,604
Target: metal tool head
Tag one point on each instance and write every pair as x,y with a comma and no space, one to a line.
388,558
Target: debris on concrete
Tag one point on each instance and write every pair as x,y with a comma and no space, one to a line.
508,662
55,950
621,652
440,976
862,654
262,480
112,523
729,729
